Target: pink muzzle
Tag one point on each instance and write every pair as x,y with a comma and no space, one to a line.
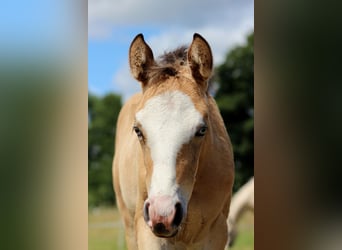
163,215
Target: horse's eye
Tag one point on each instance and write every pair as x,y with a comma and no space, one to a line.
201,131
138,132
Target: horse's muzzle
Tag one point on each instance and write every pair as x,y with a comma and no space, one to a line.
163,215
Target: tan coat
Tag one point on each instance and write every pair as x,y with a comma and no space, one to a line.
204,165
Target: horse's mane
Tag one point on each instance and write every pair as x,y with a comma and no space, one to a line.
168,64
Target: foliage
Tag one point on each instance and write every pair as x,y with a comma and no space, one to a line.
102,117
235,98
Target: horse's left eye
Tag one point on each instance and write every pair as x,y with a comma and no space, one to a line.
138,132
201,131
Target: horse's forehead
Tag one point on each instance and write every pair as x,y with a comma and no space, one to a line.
181,91
172,104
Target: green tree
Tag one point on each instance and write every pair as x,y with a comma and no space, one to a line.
235,98
102,117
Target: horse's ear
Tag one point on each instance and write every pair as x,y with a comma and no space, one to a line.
200,59
140,58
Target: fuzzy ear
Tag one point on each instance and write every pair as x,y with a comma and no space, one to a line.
200,59
140,58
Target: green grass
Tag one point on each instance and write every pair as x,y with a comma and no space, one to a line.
105,231
245,238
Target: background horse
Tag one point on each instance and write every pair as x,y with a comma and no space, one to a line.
173,168
242,201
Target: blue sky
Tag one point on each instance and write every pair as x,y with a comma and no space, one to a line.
113,24
38,29
106,56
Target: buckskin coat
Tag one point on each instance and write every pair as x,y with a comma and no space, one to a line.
173,168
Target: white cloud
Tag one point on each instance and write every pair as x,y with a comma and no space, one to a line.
176,11
103,15
223,23
94,90
125,82
170,40
220,40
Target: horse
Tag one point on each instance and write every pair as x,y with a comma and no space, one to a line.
173,168
242,201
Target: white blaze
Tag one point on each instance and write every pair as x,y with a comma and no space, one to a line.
169,120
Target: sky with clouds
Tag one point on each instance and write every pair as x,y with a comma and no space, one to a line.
112,25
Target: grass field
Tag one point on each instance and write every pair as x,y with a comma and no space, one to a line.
105,231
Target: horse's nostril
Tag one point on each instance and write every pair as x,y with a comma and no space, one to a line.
146,212
178,215
159,228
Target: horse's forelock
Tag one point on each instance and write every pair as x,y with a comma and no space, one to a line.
168,65
175,57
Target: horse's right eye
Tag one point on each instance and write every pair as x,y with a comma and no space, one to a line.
201,131
138,132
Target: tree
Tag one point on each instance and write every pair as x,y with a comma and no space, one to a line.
235,98
102,118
